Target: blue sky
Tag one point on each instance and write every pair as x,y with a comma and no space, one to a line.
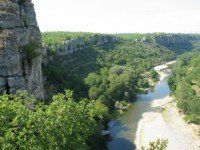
119,16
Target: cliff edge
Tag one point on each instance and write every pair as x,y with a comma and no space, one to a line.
20,48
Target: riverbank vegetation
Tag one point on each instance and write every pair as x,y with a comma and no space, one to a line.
185,85
159,144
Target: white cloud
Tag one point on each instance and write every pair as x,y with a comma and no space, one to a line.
114,16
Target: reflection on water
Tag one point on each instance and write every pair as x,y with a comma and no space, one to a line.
124,129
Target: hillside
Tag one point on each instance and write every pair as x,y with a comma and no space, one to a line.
185,85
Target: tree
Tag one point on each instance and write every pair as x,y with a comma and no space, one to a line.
63,124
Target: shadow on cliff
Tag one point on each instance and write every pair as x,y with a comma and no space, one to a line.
69,72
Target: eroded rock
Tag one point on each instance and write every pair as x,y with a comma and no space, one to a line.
20,48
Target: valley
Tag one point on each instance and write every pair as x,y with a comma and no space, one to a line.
82,90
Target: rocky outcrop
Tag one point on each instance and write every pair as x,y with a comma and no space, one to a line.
172,38
73,45
176,41
20,48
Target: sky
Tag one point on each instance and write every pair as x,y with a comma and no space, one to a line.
119,16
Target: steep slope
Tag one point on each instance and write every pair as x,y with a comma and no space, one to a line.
61,44
185,85
20,48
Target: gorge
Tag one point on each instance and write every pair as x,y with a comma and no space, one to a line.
60,90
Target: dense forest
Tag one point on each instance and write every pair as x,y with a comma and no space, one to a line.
185,85
101,77
128,62
63,124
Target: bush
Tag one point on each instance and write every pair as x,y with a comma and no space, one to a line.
153,74
160,144
193,118
32,51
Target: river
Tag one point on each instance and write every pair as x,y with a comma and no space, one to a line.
123,130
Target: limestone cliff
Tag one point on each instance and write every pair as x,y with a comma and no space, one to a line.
66,63
176,41
20,48
76,44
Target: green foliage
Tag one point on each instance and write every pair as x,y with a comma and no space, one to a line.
153,74
122,105
133,36
160,144
110,85
171,82
193,118
32,51
184,84
79,65
63,124
57,38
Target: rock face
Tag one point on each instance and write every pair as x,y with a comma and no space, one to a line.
20,48
176,41
172,38
73,45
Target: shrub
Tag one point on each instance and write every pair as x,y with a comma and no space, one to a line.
160,144
193,118
153,74
32,51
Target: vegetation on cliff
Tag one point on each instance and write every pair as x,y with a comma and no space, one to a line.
57,38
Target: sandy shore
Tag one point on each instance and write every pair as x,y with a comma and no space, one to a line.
165,122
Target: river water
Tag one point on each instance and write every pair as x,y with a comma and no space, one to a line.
123,130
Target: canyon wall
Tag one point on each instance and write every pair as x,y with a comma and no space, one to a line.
176,41
20,48
70,46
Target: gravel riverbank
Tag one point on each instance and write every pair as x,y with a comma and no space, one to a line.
165,122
